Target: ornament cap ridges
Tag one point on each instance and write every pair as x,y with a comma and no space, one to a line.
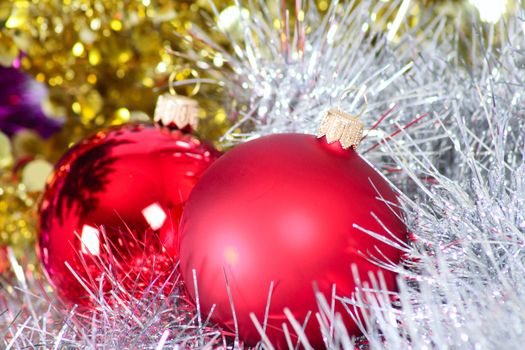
176,110
337,125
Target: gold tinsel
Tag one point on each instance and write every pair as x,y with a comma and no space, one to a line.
104,61
20,186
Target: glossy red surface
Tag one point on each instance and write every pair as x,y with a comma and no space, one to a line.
282,208
129,182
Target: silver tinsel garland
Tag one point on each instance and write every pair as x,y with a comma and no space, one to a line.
286,78
452,142
465,289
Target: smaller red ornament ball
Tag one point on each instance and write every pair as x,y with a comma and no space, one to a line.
115,200
285,208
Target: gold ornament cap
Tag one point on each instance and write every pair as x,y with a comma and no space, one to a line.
337,125
176,111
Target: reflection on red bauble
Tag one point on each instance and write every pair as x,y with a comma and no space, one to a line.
115,200
284,208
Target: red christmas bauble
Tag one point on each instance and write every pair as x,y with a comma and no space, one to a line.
115,200
284,208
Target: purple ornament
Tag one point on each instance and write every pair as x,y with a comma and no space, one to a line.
20,104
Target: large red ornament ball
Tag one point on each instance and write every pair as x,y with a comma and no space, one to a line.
114,202
285,208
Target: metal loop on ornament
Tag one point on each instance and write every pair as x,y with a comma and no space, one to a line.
347,92
172,84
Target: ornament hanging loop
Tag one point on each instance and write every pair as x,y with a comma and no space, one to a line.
337,125
360,91
172,84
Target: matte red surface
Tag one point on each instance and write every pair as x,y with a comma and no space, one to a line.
105,182
282,208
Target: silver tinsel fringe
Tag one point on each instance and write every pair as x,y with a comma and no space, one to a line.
286,79
456,156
